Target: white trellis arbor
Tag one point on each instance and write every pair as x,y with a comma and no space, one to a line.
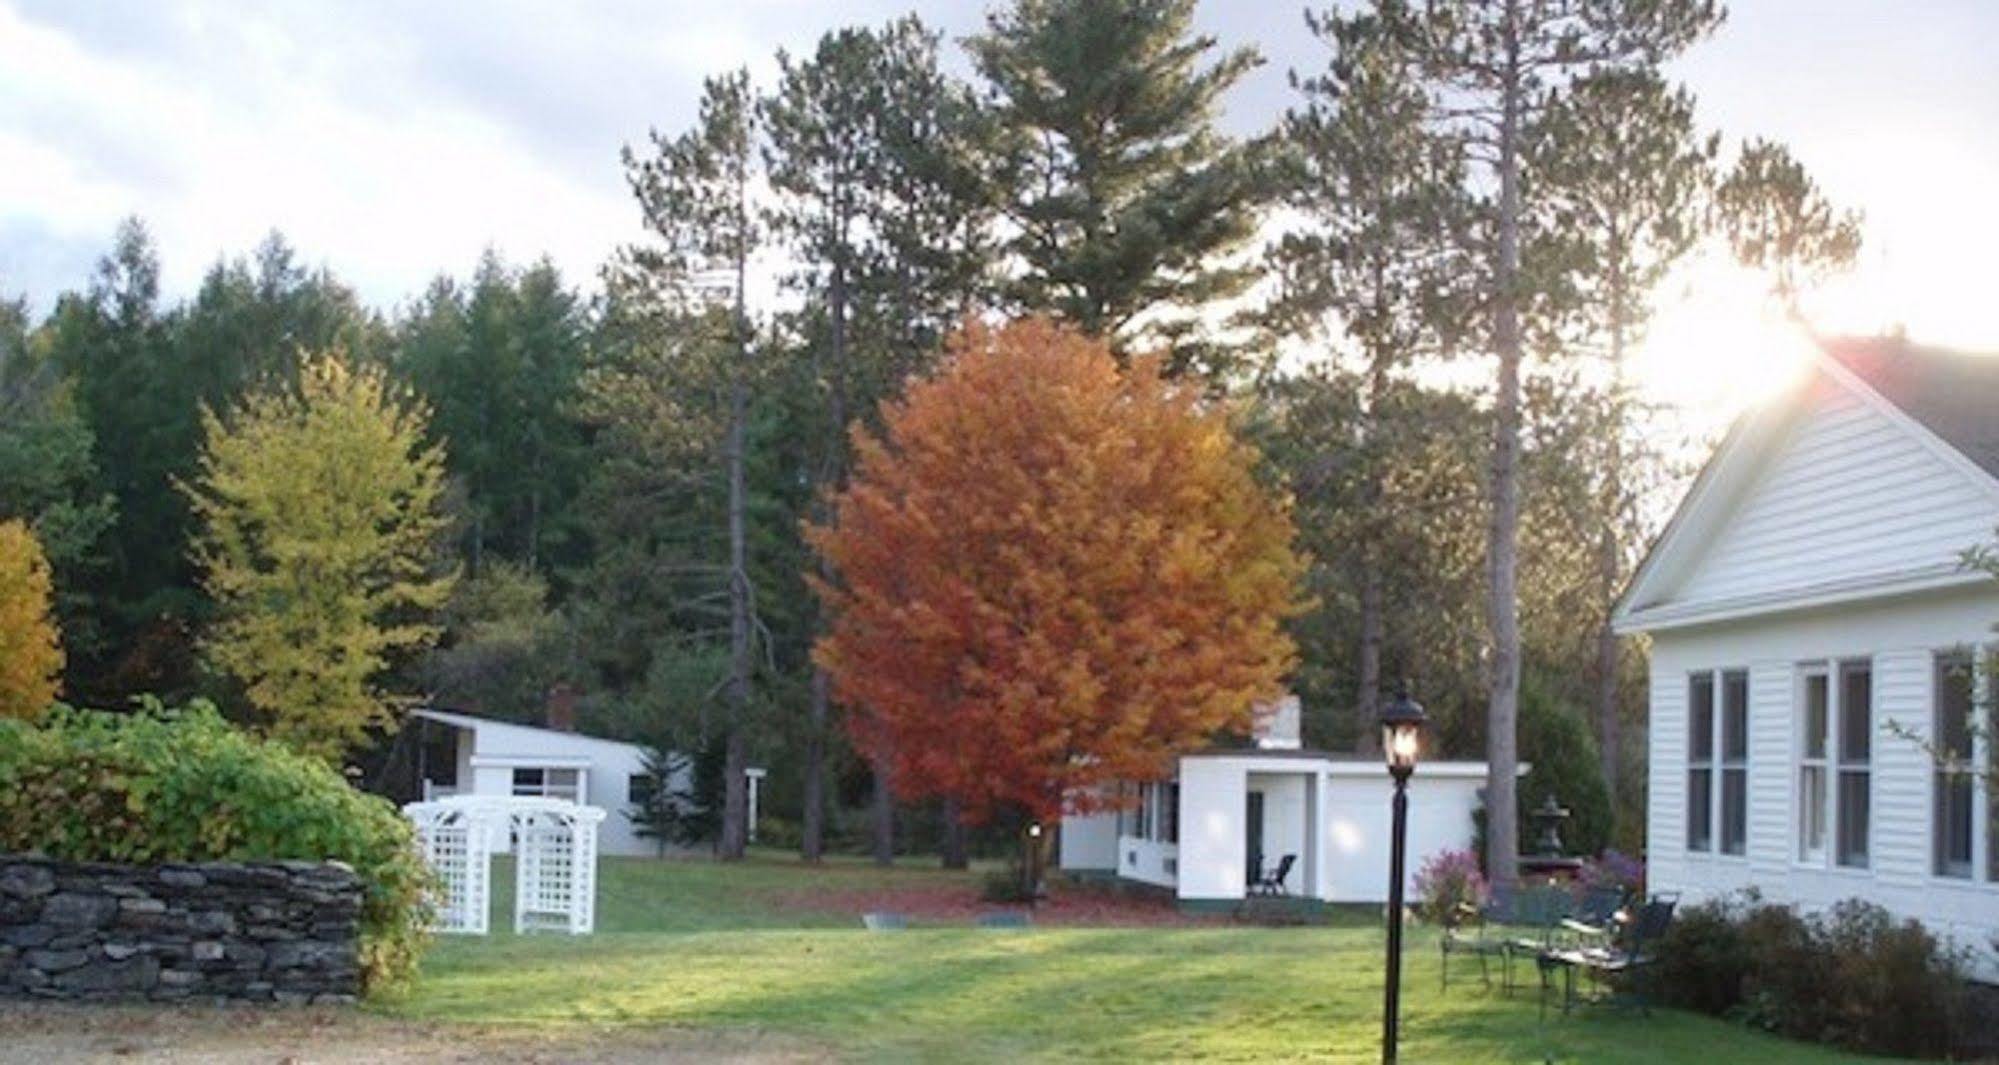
555,860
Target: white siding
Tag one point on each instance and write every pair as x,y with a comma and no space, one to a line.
1847,494
1899,637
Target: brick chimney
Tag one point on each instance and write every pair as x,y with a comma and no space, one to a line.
562,708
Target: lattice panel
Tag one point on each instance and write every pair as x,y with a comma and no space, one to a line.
555,843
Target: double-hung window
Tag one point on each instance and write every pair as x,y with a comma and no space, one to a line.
1734,763
1856,756
1142,826
1815,727
1700,762
536,782
1954,815
1718,762
1169,813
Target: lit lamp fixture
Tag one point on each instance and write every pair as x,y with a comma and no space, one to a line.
1401,742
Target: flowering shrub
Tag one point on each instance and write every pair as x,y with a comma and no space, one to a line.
1447,885
1613,869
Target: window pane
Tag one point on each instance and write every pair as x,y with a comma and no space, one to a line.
1815,715
1735,717
1811,812
1699,800
1700,718
1853,817
1169,813
1954,789
1953,821
1856,712
527,782
1734,811
639,789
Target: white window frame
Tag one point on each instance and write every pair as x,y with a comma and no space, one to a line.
546,790
1724,765
1710,844
1804,853
1984,869
1841,767
1834,765
1717,764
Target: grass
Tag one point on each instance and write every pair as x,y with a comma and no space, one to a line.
703,946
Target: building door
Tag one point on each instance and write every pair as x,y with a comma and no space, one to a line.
1253,837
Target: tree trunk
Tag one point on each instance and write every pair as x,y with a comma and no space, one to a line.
884,817
1609,563
1502,842
812,833
812,837
735,792
1367,703
954,856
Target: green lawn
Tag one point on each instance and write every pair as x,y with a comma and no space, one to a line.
694,944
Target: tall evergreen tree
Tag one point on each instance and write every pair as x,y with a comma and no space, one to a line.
1127,204
1489,67
1625,178
1375,266
695,194
1779,222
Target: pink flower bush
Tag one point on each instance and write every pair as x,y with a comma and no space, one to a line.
1613,869
1447,885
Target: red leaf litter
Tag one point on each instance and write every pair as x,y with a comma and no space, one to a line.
960,905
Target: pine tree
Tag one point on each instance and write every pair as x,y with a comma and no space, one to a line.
1375,263
1128,204
1488,68
1778,221
1625,177
695,194
318,544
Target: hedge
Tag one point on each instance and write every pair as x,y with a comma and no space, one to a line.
183,785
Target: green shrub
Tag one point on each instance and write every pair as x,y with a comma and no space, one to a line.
183,785
1854,977
1556,740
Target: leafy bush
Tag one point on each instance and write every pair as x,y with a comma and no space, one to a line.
183,785
1613,869
1854,977
1005,885
1556,740
1448,884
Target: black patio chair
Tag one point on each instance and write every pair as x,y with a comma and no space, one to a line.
1538,913
1594,919
1627,960
1271,884
1477,931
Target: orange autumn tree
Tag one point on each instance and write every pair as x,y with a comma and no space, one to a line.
31,655
1050,574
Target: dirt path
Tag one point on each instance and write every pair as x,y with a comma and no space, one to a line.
35,1034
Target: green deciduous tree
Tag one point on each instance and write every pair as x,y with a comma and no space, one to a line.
318,544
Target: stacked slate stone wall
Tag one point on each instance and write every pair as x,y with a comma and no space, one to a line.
284,932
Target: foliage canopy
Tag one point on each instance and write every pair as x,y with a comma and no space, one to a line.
1051,573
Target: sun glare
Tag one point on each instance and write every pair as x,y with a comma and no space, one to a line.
1718,346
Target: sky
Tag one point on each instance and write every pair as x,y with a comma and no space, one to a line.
391,140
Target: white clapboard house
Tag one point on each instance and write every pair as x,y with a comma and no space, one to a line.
1231,816
1811,623
463,754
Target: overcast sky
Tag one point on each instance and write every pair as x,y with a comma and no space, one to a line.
391,140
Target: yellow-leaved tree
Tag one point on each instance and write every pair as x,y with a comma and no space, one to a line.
318,542
30,648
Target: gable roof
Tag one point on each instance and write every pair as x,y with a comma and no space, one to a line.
1947,401
1951,393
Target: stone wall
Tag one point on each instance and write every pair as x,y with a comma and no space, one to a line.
259,931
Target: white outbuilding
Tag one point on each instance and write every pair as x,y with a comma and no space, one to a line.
1304,824
463,754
